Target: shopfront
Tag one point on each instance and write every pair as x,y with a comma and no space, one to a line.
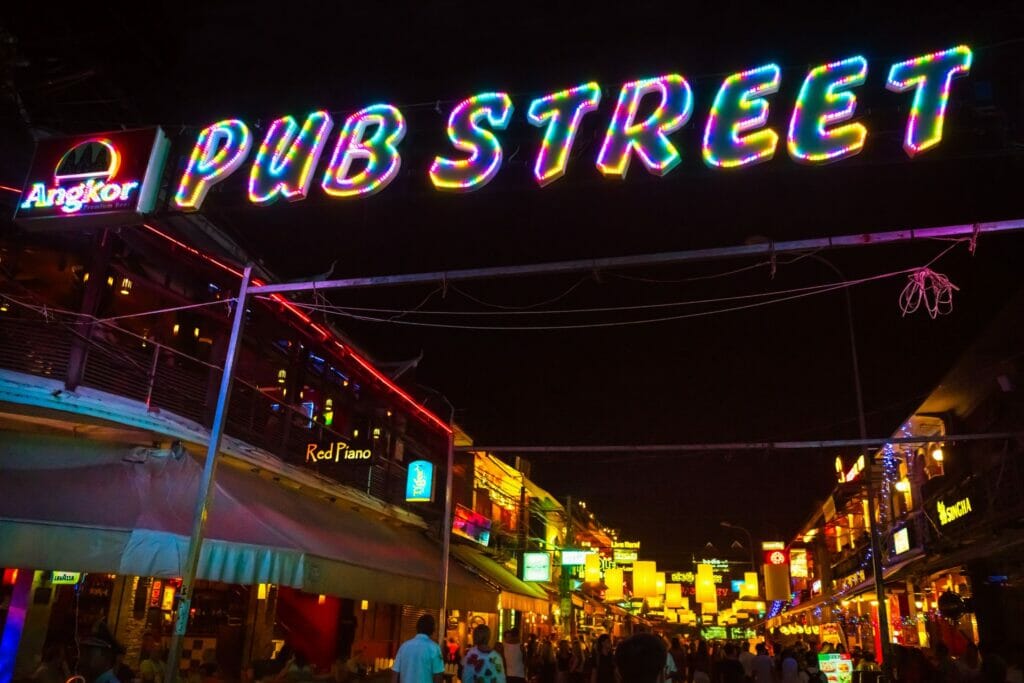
277,557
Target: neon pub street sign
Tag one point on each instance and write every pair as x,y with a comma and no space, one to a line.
365,157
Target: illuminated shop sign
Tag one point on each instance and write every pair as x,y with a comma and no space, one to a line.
468,524
691,577
109,175
901,541
574,558
337,452
951,513
65,578
536,566
419,482
798,563
361,154
776,558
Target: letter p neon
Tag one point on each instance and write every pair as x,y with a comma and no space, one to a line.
219,150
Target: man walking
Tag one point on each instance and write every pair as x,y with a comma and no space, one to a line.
419,658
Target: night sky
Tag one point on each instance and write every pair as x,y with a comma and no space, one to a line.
779,371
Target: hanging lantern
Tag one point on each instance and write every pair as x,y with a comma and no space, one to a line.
685,603
659,582
592,568
709,607
673,595
643,579
613,579
706,584
654,603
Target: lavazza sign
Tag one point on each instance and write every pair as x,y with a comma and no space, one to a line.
364,156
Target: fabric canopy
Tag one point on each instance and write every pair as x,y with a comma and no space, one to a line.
515,593
78,506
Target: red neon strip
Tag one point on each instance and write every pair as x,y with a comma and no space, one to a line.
309,321
10,189
193,250
426,413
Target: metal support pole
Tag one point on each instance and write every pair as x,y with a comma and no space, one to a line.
876,545
195,545
446,531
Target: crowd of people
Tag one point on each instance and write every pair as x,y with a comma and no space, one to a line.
554,659
649,658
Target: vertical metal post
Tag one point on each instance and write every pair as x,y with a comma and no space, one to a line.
152,375
876,545
446,531
206,484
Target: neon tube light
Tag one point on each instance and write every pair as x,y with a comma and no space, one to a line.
931,76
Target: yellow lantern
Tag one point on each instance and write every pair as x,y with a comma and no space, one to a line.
654,603
673,595
659,582
613,579
685,603
592,569
644,585
709,607
706,584
750,588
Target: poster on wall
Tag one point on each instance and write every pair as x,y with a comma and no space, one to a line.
837,667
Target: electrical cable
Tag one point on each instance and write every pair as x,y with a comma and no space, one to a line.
598,325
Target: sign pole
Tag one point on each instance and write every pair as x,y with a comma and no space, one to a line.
195,545
446,531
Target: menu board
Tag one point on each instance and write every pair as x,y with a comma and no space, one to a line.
838,668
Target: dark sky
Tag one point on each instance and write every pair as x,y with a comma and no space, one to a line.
780,371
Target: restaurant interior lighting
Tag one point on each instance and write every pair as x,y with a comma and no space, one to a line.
176,328
321,599
126,286
937,454
903,485
364,605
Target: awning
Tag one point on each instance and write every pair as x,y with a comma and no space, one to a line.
79,505
515,593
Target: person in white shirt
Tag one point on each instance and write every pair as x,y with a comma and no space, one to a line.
483,664
512,651
419,658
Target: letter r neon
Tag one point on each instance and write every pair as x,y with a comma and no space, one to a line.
649,138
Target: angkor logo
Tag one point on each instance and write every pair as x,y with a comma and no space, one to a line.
87,173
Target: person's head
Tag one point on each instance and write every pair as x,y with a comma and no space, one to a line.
481,635
577,648
97,657
99,652
604,644
512,635
641,658
425,625
730,651
869,657
563,646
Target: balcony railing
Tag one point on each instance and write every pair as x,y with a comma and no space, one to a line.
125,365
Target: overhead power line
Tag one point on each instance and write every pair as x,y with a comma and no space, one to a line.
741,445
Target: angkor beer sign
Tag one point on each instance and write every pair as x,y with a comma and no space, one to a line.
361,155
103,176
